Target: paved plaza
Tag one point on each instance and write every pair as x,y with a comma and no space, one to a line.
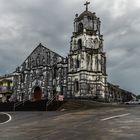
102,123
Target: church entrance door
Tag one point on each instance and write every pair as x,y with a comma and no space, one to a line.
37,93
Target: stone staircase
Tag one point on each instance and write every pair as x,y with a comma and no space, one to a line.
74,104
6,106
51,105
31,106
27,105
55,105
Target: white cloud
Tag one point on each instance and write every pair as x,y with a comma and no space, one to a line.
119,8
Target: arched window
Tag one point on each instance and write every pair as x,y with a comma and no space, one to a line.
80,27
74,44
76,86
77,63
71,63
55,71
80,44
29,64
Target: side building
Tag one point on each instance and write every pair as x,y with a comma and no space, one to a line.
116,94
6,87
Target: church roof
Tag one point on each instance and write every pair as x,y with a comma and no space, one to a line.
86,13
43,47
38,49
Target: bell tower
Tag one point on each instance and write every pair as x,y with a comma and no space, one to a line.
86,59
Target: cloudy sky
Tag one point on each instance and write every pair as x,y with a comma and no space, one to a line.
26,23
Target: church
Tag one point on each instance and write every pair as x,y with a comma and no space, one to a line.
82,74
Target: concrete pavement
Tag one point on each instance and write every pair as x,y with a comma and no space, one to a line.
104,123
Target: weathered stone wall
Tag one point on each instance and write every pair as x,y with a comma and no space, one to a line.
44,69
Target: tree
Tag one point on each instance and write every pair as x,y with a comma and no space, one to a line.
138,96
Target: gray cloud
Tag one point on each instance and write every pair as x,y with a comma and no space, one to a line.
24,24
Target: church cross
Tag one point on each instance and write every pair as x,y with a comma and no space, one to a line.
86,4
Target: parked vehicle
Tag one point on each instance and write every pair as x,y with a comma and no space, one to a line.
133,102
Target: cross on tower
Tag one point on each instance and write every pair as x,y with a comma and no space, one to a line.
86,4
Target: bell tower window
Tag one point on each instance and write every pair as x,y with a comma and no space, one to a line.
77,63
80,27
71,63
80,44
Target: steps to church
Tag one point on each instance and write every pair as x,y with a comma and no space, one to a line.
69,104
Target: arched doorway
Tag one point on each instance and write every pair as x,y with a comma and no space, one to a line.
37,93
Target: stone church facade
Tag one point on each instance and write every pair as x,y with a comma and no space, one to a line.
82,74
43,71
